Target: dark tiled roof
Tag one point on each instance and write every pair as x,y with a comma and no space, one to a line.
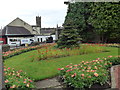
47,30
15,30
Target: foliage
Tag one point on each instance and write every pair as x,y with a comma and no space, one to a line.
77,16
5,48
16,79
68,39
95,22
104,17
114,60
85,74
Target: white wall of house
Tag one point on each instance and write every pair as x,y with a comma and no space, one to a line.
16,41
42,38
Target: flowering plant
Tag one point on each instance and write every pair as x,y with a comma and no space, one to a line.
85,74
22,50
51,52
17,79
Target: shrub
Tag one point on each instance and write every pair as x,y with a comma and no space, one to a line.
114,60
16,79
69,38
85,74
5,47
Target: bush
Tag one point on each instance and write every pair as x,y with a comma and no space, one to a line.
16,79
86,74
5,47
114,60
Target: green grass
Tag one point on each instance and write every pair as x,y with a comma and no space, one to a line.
39,70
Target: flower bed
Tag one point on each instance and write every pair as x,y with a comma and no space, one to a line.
16,79
9,54
106,44
52,52
86,74
112,45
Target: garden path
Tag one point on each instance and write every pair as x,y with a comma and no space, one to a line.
48,83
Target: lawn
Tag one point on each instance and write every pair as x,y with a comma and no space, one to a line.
43,69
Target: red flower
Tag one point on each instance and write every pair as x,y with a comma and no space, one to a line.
109,56
8,68
59,68
67,66
68,70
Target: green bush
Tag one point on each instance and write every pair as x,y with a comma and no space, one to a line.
85,74
114,60
5,48
16,79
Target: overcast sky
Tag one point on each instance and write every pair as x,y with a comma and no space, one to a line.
52,12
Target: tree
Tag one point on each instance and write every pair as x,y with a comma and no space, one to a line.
68,39
104,17
77,16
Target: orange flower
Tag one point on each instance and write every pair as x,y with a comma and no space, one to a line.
82,75
70,67
95,74
72,75
89,76
75,65
5,69
6,81
95,67
89,68
109,56
62,68
24,82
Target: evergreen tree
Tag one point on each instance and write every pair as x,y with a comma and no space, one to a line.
68,39
77,16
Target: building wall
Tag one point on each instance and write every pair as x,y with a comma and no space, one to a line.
37,30
19,22
3,39
43,38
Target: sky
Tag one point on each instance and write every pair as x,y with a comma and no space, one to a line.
52,12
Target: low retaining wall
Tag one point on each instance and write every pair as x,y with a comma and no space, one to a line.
115,76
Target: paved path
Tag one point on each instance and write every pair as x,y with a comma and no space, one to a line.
48,83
